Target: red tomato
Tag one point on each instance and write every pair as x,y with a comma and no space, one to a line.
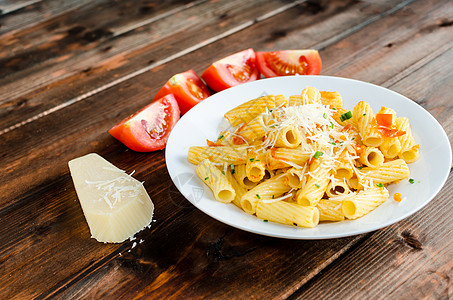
289,62
187,88
149,128
232,70
384,126
384,120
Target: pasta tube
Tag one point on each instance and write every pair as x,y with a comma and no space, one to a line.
288,213
240,190
364,202
217,182
221,154
330,210
390,146
366,122
316,184
371,157
256,166
295,177
247,111
251,131
240,173
269,189
409,150
388,172
289,137
337,188
332,99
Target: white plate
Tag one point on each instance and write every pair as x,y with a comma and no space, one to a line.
202,122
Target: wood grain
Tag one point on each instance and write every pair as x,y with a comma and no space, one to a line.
72,56
46,250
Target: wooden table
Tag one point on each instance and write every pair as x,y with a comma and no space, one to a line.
70,70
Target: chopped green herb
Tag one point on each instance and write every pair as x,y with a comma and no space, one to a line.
221,137
223,172
257,160
317,186
258,196
265,221
324,116
411,181
317,154
360,168
232,169
273,196
380,185
331,124
346,116
334,108
252,159
206,178
353,139
364,115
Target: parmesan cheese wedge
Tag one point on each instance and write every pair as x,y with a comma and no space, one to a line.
115,205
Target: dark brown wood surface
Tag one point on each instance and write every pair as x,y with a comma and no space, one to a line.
70,70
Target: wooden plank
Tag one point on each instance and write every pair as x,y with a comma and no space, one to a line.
64,61
110,107
23,212
137,90
398,254
93,139
9,6
25,14
106,65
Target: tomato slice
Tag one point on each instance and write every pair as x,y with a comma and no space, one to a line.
148,129
289,62
187,88
384,126
384,120
232,70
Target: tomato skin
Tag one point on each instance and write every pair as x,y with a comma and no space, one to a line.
232,70
301,62
187,88
149,128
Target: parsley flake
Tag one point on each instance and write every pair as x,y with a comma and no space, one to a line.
206,178
317,185
317,154
258,196
380,185
346,116
411,181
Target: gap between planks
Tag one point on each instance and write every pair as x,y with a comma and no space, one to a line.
199,46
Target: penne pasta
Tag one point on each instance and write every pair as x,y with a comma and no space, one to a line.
363,202
217,182
269,189
366,122
221,154
288,213
305,159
